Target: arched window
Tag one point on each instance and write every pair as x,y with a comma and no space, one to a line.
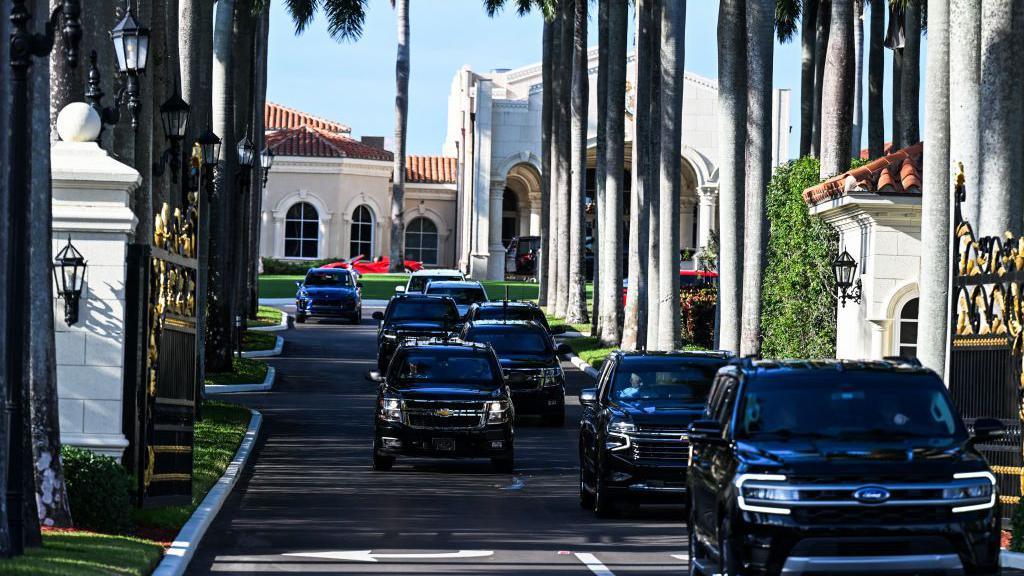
301,231
905,333
362,233
421,241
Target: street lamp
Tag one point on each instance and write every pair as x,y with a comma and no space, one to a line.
246,152
209,143
843,269
174,118
131,45
69,275
267,160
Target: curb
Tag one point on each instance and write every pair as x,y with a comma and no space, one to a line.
583,366
275,351
178,556
265,386
276,301
1011,559
278,327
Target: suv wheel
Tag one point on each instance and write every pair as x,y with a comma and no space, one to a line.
729,566
381,462
693,549
586,497
602,501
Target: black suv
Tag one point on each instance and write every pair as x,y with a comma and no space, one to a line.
443,398
529,361
633,430
413,316
835,466
510,310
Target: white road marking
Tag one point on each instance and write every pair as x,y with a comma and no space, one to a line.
369,556
595,565
683,557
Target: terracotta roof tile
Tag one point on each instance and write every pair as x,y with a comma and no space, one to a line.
865,153
431,169
307,141
277,117
898,174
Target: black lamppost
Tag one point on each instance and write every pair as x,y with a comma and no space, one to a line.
266,161
174,118
24,47
131,45
209,144
246,153
69,276
844,268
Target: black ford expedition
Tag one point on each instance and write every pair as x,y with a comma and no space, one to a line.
412,316
632,433
836,467
446,399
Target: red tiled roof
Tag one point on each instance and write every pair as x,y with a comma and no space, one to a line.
277,117
865,153
431,169
897,174
314,142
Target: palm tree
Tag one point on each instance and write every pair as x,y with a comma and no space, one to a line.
601,161
5,139
836,92
556,89
1000,132
910,83
808,28
653,174
397,253
894,39
673,35
858,77
732,109
821,55
547,74
965,111
576,304
610,289
876,79
562,192
935,195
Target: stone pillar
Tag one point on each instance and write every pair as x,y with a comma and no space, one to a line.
278,240
91,205
479,266
496,265
707,200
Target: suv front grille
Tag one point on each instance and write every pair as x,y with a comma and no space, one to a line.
660,443
520,379
873,515
444,414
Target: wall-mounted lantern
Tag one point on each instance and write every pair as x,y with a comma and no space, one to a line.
267,161
131,45
69,275
210,145
844,268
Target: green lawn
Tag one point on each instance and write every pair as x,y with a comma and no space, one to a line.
590,350
254,340
86,554
267,316
244,371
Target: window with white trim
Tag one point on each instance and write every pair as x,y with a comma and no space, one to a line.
361,241
905,335
301,231
421,240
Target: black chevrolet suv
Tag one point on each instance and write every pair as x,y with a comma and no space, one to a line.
529,361
443,398
412,316
836,467
632,437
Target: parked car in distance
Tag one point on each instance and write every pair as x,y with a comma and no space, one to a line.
413,316
418,280
529,362
465,293
521,256
632,434
446,399
687,279
510,310
329,293
836,466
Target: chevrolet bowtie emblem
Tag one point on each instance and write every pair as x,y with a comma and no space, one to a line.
443,412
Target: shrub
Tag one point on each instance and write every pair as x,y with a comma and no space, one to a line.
99,491
697,309
274,267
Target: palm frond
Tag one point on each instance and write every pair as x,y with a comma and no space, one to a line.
787,19
302,12
344,18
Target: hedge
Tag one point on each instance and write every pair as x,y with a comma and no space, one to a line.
273,266
99,491
697,308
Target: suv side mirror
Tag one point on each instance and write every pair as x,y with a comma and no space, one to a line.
706,431
378,316
560,329
986,429
588,396
563,349
400,289
374,376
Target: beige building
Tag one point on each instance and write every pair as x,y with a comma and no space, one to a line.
329,195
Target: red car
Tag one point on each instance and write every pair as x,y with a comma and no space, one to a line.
687,279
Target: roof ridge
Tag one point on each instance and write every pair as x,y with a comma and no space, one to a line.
305,118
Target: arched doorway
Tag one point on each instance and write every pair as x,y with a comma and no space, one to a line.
509,216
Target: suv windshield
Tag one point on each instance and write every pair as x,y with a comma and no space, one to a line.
851,405
460,295
513,343
425,309
418,283
323,278
439,367
664,382
507,313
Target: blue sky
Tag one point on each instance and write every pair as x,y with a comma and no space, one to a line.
354,83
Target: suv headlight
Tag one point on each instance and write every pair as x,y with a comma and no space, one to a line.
497,412
617,437
391,409
983,487
551,376
390,336
780,493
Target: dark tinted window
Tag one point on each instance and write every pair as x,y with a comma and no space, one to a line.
664,382
512,342
426,309
418,283
328,278
510,313
460,295
849,405
457,367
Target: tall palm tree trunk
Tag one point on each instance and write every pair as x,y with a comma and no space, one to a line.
965,92
546,115
653,182
563,192
911,72
673,36
1000,132
808,28
611,233
556,86
243,61
634,331
858,77
576,311
5,141
259,133
397,252
897,98
600,163
876,81
835,141
732,109
935,197
820,55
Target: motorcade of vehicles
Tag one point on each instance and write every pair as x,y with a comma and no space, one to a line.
418,280
413,316
632,435
443,398
465,293
329,293
529,362
511,310
831,467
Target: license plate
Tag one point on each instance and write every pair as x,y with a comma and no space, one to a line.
444,444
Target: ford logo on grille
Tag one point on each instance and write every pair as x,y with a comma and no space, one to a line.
872,495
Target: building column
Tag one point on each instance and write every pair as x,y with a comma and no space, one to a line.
496,265
707,200
278,241
479,267
686,222
323,247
